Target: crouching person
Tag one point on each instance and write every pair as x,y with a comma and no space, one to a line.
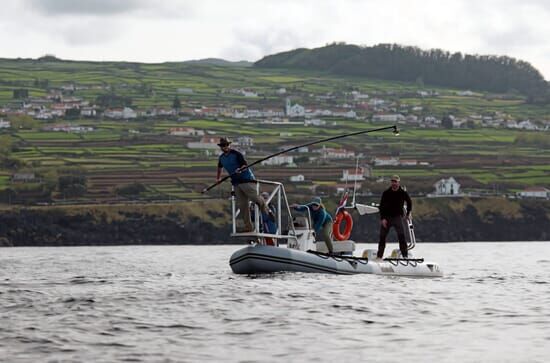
322,220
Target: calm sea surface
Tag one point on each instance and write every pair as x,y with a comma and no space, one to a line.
183,304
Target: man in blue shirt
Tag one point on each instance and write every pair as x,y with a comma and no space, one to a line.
243,181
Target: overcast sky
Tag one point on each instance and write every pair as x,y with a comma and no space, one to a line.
176,30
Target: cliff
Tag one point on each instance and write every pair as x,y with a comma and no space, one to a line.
207,222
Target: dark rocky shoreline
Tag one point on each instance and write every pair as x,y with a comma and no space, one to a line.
441,220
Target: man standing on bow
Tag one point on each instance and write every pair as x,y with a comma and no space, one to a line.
243,181
391,214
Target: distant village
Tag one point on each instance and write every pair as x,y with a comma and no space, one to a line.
60,105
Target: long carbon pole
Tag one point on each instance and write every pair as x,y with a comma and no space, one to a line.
394,128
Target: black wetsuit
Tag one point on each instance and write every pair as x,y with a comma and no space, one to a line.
391,209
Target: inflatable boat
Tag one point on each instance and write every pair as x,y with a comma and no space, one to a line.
259,259
267,254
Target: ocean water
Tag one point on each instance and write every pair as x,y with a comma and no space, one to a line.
183,304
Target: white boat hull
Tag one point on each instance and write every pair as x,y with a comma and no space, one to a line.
260,259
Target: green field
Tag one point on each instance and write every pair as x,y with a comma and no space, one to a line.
119,153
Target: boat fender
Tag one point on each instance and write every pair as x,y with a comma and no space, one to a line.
342,216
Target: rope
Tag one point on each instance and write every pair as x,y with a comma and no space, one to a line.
340,258
404,261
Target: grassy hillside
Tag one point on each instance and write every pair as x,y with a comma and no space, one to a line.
412,64
120,153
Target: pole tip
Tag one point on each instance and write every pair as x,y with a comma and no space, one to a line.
395,131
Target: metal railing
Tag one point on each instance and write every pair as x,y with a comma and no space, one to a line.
279,193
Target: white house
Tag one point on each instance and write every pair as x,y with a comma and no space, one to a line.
535,192
4,124
376,102
385,161
411,119
67,128
88,111
23,177
331,153
113,113
279,160
209,143
185,131
388,118
315,122
527,125
431,120
127,113
345,113
245,141
302,149
297,178
359,96
352,175
295,110
447,187
408,162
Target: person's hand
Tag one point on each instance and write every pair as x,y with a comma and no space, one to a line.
384,223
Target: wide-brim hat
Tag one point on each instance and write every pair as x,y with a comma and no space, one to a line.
224,141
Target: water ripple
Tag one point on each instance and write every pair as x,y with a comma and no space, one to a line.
150,303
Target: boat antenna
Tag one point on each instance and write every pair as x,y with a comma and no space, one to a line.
355,181
394,128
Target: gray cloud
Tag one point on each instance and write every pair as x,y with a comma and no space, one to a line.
516,37
90,33
156,30
253,44
86,7
164,9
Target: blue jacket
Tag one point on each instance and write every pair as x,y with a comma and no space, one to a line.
231,162
267,225
319,216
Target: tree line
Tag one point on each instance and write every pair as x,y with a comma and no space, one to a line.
500,74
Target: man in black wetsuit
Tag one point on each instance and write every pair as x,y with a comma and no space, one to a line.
391,215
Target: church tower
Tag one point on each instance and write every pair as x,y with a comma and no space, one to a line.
287,106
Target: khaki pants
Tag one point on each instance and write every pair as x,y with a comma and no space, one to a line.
245,192
326,235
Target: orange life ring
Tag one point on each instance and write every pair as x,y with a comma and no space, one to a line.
342,216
